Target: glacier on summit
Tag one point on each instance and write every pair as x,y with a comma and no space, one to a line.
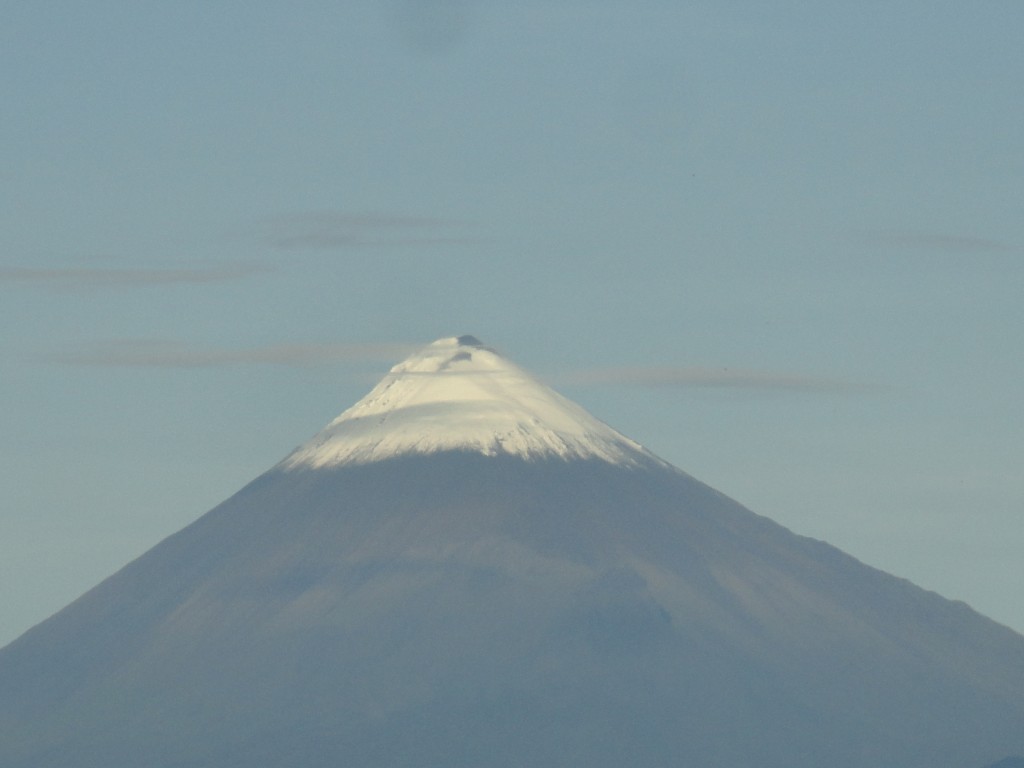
457,394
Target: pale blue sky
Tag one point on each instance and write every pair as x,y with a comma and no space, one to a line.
780,244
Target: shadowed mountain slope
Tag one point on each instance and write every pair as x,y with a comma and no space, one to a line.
516,587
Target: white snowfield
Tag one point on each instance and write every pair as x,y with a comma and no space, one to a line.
457,394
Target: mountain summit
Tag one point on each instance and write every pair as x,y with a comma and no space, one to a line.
467,570
457,394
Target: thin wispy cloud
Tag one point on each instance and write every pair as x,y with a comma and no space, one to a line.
110,277
161,353
155,353
938,242
710,378
336,231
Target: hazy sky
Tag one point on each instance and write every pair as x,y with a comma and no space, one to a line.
780,244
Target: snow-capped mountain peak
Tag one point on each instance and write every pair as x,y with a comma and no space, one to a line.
457,394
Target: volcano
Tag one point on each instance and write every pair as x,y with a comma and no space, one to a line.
467,569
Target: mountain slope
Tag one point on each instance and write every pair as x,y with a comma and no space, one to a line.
456,603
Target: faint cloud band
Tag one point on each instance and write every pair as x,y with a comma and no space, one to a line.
328,230
83,277
157,353
937,241
142,353
710,378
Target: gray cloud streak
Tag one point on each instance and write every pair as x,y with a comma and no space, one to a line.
143,353
933,241
710,378
92,277
157,353
338,231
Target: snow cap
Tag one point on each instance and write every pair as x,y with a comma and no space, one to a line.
458,394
